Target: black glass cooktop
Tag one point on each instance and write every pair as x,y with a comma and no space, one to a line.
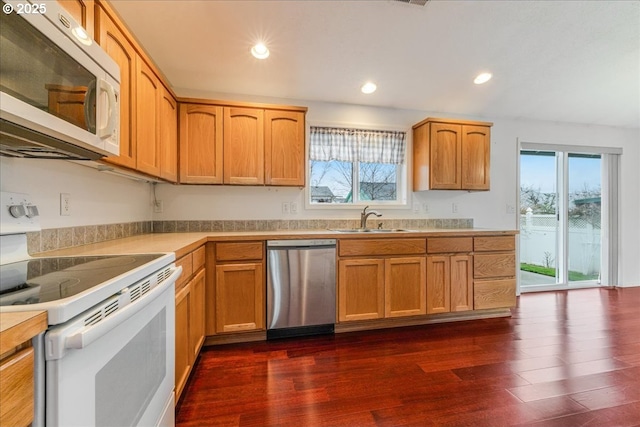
39,280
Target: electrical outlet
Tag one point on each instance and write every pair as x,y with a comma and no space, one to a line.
286,208
425,207
158,206
294,207
454,207
65,204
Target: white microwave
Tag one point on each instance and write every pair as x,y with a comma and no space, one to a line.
59,90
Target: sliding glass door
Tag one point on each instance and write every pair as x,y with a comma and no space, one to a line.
561,218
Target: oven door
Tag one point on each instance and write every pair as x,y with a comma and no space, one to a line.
118,371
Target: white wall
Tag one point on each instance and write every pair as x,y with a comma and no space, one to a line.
99,198
96,197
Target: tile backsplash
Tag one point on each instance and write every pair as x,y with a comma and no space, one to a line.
59,238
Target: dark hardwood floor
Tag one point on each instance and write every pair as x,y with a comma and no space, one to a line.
563,359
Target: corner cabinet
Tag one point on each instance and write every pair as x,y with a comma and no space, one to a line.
241,144
451,155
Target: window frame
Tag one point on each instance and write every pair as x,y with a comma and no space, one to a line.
402,173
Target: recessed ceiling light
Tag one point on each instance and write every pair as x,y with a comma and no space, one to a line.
482,78
368,87
260,51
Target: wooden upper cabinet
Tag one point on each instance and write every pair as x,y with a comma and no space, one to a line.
82,11
284,148
451,155
445,159
475,155
201,144
243,146
146,119
168,136
118,47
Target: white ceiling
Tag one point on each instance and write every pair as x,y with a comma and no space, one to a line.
566,61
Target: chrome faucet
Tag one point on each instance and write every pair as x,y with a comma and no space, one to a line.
364,215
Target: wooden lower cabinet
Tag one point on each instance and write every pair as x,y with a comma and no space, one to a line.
196,314
190,316
378,288
494,272
183,352
239,297
360,289
405,286
449,283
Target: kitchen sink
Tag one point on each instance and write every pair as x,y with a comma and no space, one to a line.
372,230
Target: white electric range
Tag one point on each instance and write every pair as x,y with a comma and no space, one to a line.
107,357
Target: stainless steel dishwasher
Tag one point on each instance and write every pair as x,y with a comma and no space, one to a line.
301,287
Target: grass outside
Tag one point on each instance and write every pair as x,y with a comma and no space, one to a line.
574,276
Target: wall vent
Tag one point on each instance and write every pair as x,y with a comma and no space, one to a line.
416,2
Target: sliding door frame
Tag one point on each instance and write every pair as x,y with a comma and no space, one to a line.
610,212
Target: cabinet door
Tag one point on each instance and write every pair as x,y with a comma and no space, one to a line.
16,389
405,286
168,136
183,350
476,147
461,283
200,144
196,313
284,148
146,119
360,289
82,11
438,284
239,297
113,41
445,161
243,146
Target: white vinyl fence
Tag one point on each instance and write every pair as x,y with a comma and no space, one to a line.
538,243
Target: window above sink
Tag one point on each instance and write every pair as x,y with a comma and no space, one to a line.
353,167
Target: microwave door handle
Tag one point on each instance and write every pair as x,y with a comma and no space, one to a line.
89,334
89,107
112,104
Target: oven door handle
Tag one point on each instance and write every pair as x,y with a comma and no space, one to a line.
89,334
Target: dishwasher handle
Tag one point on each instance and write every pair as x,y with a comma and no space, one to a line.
301,244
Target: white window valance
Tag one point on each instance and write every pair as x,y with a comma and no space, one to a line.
357,145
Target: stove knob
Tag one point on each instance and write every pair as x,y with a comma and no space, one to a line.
17,211
32,210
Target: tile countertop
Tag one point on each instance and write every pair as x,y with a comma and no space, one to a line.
183,243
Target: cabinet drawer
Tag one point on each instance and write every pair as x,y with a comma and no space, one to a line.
494,294
494,243
375,247
437,245
494,265
198,258
239,251
16,389
186,262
